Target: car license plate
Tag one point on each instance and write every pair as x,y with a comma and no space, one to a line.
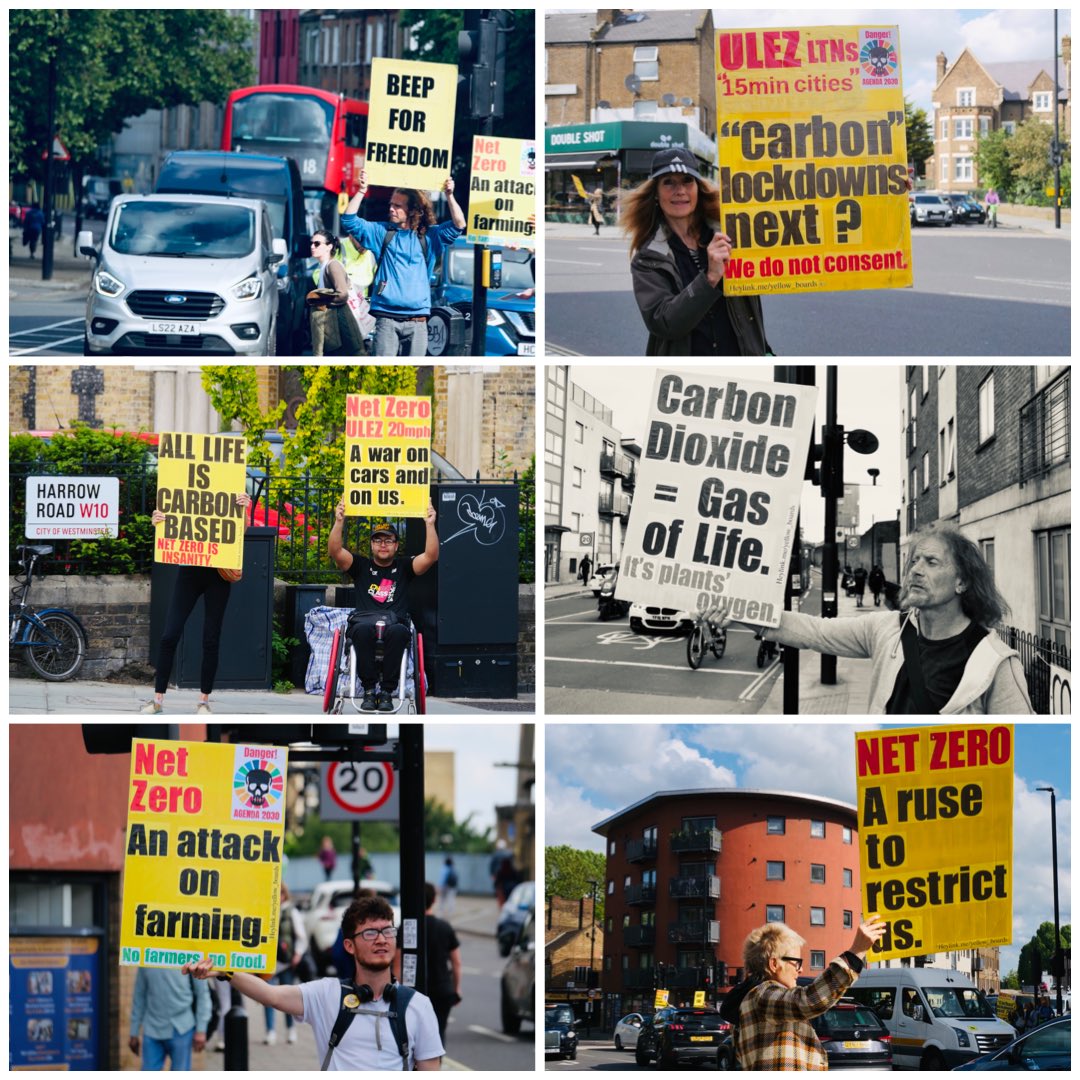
526,348
856,1046
701,1038
173,328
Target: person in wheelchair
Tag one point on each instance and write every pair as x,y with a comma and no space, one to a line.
382,595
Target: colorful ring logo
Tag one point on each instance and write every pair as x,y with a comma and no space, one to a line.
258,785
879,59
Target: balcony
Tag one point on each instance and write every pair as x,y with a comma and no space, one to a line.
640,850
697,840
683,978
614,505
702,932
640,894
638,978
698,887
639,937
616,464
1045,426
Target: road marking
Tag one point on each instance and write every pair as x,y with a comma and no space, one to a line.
756,685
450,1065
492,1034
47,326
1027,281
560,350
1004,299
574,262
45,345
572,615
660,667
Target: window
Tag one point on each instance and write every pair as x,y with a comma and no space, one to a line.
774,871
984,126
774,912
774,826
626,918
945,128
647,63
1040,100
625,962
817,959
553,446
817,829
607,963
1054,582
645,110
817,916
847,835
611,888
610,924
926,471
848,924
579,431
649,836
925,370
648,918
986,550
648,878
913,413
847,878
627,881
611,847
1008,126
965,96
986,409
963,127
817,873
962,167
576,475
575,522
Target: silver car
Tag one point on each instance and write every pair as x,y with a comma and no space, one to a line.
183,274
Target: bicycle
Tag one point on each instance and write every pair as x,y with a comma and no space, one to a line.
53,640
767,651
706,633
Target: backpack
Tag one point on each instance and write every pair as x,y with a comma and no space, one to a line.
398,1027
286,937
451,879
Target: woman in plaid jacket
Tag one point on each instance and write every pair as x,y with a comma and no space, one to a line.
773,1031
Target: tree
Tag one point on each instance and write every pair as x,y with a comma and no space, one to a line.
568,871
112,65
920,140
1011,981
1029,157
993,163
1039,952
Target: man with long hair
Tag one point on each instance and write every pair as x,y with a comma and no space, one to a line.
939,653
406,247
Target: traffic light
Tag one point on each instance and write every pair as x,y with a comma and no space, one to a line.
661,976
832,461
482,51
1055,154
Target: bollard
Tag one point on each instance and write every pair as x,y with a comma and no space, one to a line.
236,1036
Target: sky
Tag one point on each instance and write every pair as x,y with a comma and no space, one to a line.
868,397
594,770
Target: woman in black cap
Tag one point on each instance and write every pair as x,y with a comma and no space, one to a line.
679,255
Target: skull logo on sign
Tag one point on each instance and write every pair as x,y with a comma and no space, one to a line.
258,784
879,60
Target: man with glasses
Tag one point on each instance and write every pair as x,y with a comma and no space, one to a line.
382,596
368,1041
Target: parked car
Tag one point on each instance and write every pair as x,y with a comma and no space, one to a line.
596,578
853,1036
965,209
628,1029
329,899
676,1035
649,617
276,181
560,1038
511,308
98,194
181,274
928,209
518,980
519,906
1048,1046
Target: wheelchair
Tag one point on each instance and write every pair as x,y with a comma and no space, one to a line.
343,684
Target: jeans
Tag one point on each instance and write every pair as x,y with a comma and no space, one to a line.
389,334
178,1049
191,583
395,642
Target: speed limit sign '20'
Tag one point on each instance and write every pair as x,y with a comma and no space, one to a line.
360,790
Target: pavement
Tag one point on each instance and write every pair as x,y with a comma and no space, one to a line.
78,696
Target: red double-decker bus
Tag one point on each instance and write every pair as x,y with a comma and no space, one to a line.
324,133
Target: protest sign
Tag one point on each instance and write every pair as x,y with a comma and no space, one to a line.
72,506
935,836
713,521
410,134
813,159
387,455
198,477
202,866
502,191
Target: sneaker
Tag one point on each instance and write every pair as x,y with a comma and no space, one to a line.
368,702
151,708
271,1037
386,701
203,709
291,1037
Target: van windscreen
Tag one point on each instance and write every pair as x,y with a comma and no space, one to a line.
955,1001
183,230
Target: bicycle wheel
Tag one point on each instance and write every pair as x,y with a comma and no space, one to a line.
695,646
719,644
330,690
761,655
57,646
421,676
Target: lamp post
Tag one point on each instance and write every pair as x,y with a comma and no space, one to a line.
1057,965
593,885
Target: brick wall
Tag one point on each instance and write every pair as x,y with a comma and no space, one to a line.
48,397
994,466
926,416
566,65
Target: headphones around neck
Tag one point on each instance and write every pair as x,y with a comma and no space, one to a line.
366,994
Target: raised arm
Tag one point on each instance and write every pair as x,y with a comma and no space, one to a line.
456,215
340,556
287,999
353,206
430,555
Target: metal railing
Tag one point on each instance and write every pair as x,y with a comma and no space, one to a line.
1045,425
1036,654
697,840
636,937
640,850
698,886
702,932
640,894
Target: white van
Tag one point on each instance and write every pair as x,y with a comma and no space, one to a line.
936,1017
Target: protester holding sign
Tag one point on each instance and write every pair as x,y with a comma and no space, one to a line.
411,1038
678,259
939,653
772,1012
214,585
405,251
335,306
382,583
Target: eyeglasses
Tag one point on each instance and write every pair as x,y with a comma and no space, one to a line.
795,960
384,539
372,934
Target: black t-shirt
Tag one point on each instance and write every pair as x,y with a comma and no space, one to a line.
441,942
713,336
382,588
942,663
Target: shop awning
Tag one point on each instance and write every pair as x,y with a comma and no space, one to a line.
575,161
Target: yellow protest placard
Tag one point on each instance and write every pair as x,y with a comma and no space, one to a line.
579,185
202,867
661,999
502,191
198,477
699,999
813,159
935,836
387,455
410,135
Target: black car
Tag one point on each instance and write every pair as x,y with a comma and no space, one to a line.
560,1038
1047,1047
853,1036
965,208
677,1035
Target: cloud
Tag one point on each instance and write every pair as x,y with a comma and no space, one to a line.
569,816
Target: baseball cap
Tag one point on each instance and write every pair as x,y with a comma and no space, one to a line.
675,160
383,529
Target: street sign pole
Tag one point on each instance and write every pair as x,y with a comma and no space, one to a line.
413,921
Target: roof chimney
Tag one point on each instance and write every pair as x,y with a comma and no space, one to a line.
1066,51
942,63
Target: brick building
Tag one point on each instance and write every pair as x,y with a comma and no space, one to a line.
691,873
973,98
988,449
336,47
572,940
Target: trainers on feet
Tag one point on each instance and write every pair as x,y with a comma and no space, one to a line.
271,1038
203,709
386,701
368,701
291,1037
151,708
